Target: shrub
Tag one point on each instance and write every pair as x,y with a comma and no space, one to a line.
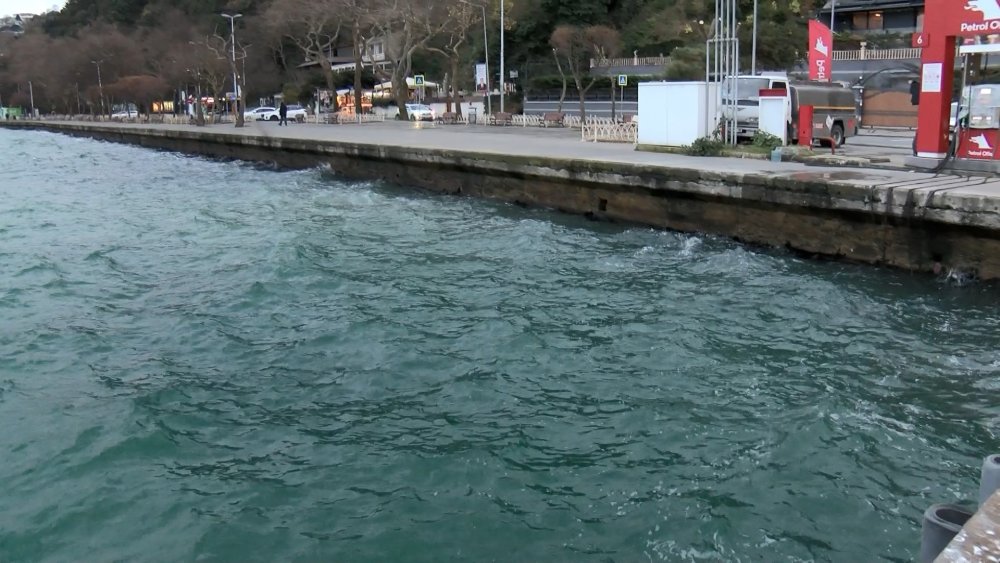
766,140
705,146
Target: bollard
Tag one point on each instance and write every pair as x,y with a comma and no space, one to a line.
989,482
941,524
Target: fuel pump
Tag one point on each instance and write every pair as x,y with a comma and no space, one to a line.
977,121
974,119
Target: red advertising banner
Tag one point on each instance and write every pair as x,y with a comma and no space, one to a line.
820,51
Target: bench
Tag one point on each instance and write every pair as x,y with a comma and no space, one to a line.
553,118
449,117
501,118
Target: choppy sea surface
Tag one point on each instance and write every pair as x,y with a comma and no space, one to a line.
205,360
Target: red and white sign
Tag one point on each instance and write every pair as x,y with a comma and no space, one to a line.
978,144
981,16
821,50
962,17
918,40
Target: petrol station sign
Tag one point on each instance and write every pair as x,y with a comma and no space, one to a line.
988,11
979,144
962,18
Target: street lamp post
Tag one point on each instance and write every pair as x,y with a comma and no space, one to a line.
100,85
232,39
503,85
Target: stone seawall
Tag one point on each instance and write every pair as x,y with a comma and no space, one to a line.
918,226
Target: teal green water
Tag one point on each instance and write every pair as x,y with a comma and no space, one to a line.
215,361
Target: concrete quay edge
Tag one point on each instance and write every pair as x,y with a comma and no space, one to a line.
967,208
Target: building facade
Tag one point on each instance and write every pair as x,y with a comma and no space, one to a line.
874,16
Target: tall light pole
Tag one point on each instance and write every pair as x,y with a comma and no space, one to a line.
100,85
232,39
753,48
503,85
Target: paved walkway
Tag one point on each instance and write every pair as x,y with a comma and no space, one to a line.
566,144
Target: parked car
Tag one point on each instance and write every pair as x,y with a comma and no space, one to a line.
260,114
420,112
267,113
125,112
297,113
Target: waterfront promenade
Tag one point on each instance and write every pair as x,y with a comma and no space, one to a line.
913,220
564,143
561,143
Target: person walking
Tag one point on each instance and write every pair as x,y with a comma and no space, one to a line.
282,114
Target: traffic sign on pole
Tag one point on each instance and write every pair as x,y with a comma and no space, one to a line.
418,80
622,80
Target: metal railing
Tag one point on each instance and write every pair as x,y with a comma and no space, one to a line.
877,54
628,61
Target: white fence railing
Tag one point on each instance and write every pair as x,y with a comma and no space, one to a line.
609,131
526,120
347,118
876,54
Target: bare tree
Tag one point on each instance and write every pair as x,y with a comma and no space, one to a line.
406,26
565,81
142,90
239,53
577,45
462,16
604,44
315,26
209,64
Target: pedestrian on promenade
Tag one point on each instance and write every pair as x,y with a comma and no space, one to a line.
282,114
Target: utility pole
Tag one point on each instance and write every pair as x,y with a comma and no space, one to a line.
100,85
833,12
503,85
31,98
236,83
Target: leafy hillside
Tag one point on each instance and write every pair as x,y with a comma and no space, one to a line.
182,43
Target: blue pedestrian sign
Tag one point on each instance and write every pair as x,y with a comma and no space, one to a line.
622,80
418,80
